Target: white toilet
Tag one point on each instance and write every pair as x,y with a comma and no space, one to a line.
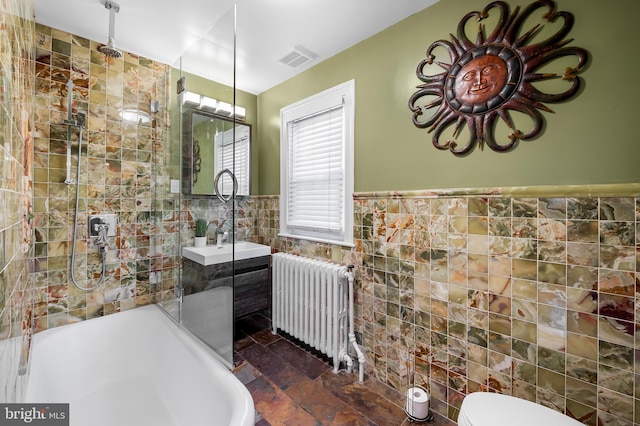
494,409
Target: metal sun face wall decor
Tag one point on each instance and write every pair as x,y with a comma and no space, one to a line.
487,79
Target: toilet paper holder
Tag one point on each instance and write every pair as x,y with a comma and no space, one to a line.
417,405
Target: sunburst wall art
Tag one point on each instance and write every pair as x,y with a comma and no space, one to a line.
487,79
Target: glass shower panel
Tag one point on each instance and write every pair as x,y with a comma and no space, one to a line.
206,87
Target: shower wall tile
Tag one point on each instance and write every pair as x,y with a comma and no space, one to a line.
123,170
17,82
531,296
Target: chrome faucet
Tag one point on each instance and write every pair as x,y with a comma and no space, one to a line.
219,234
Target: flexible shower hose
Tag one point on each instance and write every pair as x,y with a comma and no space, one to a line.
75,232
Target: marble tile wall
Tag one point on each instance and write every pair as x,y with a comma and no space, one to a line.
123,171
527,295
16,103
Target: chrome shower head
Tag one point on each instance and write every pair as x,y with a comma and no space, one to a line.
110,48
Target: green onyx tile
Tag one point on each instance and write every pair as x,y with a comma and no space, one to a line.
525,207
499,382
524,269
497,246
478,281
407,314
617,356
620,258
552,251
582,277
582,346
551,381
582,300
583,369
582,254
478,300
615,379
619,209
478,225
524,330
550,337
405,282
439,341
582,392
438,323
478,206
500,266
478,318
550,399
588,415
524,289
616,403
499,226
552,230
524,390
500,324
524,248
524,371
457,295
439,206
458,313
457,207
477,372
499,362
500,304
583,231
478,336
552,294
524,310
617,233
457,355
552,316
500,207
551,360
552,207
554,273
524,227
478,262
477,354
393,310
582,208
457,329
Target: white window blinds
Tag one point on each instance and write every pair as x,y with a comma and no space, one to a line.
224,150
317,173
316,166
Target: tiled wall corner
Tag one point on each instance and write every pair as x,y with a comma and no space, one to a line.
16,103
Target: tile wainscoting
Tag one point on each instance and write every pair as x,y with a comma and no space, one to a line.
531,292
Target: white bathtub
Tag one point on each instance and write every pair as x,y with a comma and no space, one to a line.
135,368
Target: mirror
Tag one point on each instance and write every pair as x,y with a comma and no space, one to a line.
209,150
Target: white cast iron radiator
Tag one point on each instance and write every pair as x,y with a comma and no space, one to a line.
313,302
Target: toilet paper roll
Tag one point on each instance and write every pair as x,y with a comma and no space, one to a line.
417,403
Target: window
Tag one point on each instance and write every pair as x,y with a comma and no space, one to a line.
316,167
224,150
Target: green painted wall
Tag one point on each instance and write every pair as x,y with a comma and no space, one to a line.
588,140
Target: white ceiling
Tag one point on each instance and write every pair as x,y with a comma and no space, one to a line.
201,32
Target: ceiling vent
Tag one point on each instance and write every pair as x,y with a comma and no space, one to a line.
298,56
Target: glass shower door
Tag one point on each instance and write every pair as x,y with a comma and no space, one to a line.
205,93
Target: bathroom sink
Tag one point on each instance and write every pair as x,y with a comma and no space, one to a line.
210,255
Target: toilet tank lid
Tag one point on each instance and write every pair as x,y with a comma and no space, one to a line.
494,409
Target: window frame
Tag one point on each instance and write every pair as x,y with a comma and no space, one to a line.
342,94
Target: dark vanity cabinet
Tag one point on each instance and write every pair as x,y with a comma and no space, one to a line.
252,291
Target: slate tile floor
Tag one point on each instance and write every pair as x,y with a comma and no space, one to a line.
291,386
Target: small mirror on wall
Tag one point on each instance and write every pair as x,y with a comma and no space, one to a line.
209,148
